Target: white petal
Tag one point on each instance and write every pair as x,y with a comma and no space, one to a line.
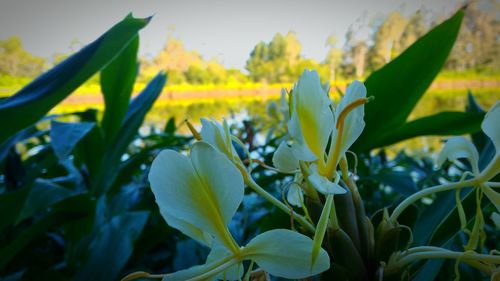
284,159
325,186
459,147
234,272
285,253
495,217
213,133
188,229
493,196
491,125
222,180
204,192
353,122
312,119
294,195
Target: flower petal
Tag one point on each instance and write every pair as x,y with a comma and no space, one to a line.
188,229
294,195
495,217
285,253
353,122
284,159
325,186
459,147
491,125
493,196
312,121
204,192
213,133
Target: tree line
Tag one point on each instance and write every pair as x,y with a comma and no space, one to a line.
280,60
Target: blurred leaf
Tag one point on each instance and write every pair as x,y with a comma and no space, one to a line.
133,120
42,195
65,136
11,204
170,126
399,85
36,99
443,123
117,83
27,133
401,182
112,247
32,232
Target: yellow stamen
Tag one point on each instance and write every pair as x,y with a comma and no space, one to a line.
333,156
195,133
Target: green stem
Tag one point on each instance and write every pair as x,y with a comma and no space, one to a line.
428,191
282,206
446,254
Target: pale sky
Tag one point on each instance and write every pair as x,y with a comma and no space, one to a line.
225,30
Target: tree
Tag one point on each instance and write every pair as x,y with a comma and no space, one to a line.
15,61
276,61
386,40
477,46
333,57
415,29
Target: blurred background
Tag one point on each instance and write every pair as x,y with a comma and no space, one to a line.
233,57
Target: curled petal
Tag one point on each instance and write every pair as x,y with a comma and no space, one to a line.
353,122
459,147
294,195
285,253
491,127
284,159
311,121
215,134
325,186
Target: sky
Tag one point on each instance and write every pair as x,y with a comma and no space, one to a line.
224,30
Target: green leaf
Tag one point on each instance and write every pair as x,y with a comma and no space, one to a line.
112,246
65,136
117,83
36,99
138,108
42,195
442,124
32,232
11,205
399,85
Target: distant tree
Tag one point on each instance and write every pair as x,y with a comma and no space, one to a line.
359,57
15,61
276,61
386,40
415,29
333,57
478,44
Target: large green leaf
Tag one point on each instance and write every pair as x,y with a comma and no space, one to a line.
442,124
117,83
64,136
112,246
399,85
133,120
36,99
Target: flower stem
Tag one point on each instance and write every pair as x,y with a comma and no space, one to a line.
300,219
428,191
446,254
